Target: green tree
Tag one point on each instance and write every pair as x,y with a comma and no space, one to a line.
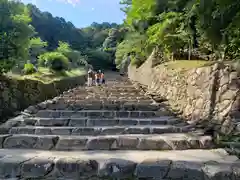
134,44
37,47
56,61
15,34
209,29
76,59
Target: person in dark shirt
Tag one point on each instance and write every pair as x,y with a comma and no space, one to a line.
98,77
102,78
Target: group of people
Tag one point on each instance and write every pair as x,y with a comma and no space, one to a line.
96,78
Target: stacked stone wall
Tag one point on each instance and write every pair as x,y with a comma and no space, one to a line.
16,95
209,93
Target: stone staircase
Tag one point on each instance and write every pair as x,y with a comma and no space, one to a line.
108,132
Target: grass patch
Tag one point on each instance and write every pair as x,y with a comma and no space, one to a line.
45,75
184,65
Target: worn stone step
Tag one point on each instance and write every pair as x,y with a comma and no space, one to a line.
100,113
105,101
119,94
103,106
66,104
22,120
170,141
122,165
94,97
98,130
89,122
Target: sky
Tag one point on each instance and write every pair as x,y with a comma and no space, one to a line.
82,12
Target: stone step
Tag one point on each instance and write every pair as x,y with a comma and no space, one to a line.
89,122
93,104
114,93
107,88
106,101
98,130
100,113
122,165
170,141
94,97
103,106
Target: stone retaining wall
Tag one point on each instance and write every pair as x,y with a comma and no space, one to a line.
16,95
206,93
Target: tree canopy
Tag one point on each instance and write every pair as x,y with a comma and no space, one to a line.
26,33
204,29
178,29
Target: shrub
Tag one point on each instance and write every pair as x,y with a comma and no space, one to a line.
54,60
99,59
75,57
29,68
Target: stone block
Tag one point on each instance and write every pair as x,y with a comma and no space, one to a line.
152,143
147,114
66,143
52,122
10,166
78,122
127,142
86,131
75,168
102,143
37,167
112,131
128,122
153,169
22,130
122,114
20,141
136,130
185,170
102,122
117,168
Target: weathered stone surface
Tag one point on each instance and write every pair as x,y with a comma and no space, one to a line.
30,142
77,122
37,167
17,121
150,168
116,132
118,168
132,141
185,170
10,165
102,122
129,142
46,142
214,170
153,144
76,168
71,143
197,164
19,94
102,143
207,93
97,114
52,122
20,141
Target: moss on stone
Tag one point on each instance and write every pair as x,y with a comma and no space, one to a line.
47,76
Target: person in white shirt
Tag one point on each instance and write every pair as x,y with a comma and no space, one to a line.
90,79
